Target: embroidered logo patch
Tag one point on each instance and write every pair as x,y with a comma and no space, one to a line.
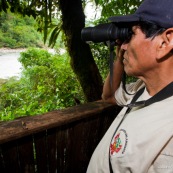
119,143
116,146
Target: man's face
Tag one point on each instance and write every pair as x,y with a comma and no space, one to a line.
140,54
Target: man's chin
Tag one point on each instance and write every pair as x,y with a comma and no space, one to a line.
129,73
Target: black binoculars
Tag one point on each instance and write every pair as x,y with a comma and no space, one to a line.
105,32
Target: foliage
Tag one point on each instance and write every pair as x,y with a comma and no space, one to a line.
110,8
18,32
119,7
46,11
101,56
47,83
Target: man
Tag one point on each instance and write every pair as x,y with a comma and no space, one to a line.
140,140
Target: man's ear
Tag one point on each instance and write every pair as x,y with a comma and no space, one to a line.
165,44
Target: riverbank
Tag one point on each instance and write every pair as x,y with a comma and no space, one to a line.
8,50
9,64
4,51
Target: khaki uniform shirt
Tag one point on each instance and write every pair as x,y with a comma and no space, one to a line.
143,142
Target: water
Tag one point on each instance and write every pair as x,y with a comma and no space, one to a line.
9,65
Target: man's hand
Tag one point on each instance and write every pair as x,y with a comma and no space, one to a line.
118,69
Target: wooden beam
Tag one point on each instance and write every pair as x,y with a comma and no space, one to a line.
33,124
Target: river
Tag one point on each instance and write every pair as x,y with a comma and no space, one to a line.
9,64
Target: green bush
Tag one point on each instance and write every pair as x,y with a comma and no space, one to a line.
47,83
19,32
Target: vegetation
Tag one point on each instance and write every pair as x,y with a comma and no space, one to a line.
71,19
18,32
47,83
44,83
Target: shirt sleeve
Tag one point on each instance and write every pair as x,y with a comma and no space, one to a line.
122,98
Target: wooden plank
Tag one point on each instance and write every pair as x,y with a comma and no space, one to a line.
10,157
40,143
28,125
91,137
26,155
61,138
77,145
2,165
52,150
76,160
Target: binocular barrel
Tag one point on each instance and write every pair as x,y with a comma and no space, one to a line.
104,32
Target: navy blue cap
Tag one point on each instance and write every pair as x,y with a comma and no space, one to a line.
159,12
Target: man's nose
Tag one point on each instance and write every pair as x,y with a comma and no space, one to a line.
124,46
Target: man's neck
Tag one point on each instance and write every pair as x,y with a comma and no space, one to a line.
154,85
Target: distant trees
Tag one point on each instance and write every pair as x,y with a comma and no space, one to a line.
17,31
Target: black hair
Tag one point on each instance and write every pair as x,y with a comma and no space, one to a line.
150,29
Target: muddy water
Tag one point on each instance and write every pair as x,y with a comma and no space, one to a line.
9,65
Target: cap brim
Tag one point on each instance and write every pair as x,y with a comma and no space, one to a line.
124,19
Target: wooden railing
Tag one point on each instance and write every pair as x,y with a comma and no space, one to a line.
56,142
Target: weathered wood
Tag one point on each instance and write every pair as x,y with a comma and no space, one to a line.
77,149
10,157
40,142
26,155
29,125
62,133
2,164
52,150
59,141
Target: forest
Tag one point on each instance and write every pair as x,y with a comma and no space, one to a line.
47,81
54,81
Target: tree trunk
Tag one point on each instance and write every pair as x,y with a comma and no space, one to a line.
82,61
